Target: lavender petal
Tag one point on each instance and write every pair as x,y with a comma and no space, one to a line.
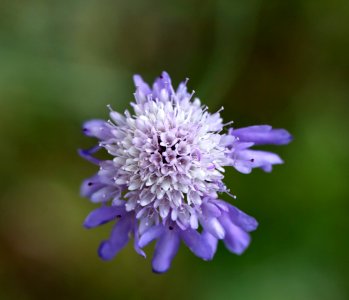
136,241
97,128
149,235
236,239
90,186
213,226
87,154
211,241
102,215
241,219
118,239
262,135
165,250
257,159
198,244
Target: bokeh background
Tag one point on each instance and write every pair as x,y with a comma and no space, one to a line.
284,63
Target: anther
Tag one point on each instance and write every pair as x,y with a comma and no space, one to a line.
221,109
192,94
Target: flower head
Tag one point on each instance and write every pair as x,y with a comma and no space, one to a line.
165,173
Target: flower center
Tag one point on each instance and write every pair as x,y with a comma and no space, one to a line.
166,155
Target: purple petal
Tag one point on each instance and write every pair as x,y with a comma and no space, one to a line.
211,241
165,250
87,154
243,166
143,89
241,219
227,139
118,239
237,216
136,241
213,226
181,91
149,235
104,194
197,244
262,135
97,128
256,159
90,186
103,215
236,239
162,83
141,84
210,210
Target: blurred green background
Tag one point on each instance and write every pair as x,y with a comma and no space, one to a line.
284,63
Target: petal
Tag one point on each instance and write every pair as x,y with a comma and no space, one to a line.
141,85
236,239
194,222
117,118
210,210
227,140
211,241
90,186
149,235
97,128
194,197
182,89
103,194
118,239
257,159
236,216
165,250
241,219
262,135
213,226
242,166
87,154
103,215
162,83
136,242
214,122
197,244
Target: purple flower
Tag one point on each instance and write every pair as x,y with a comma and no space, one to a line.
164,176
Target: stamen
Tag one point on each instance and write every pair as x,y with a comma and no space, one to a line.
221,109
191,95
226,124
